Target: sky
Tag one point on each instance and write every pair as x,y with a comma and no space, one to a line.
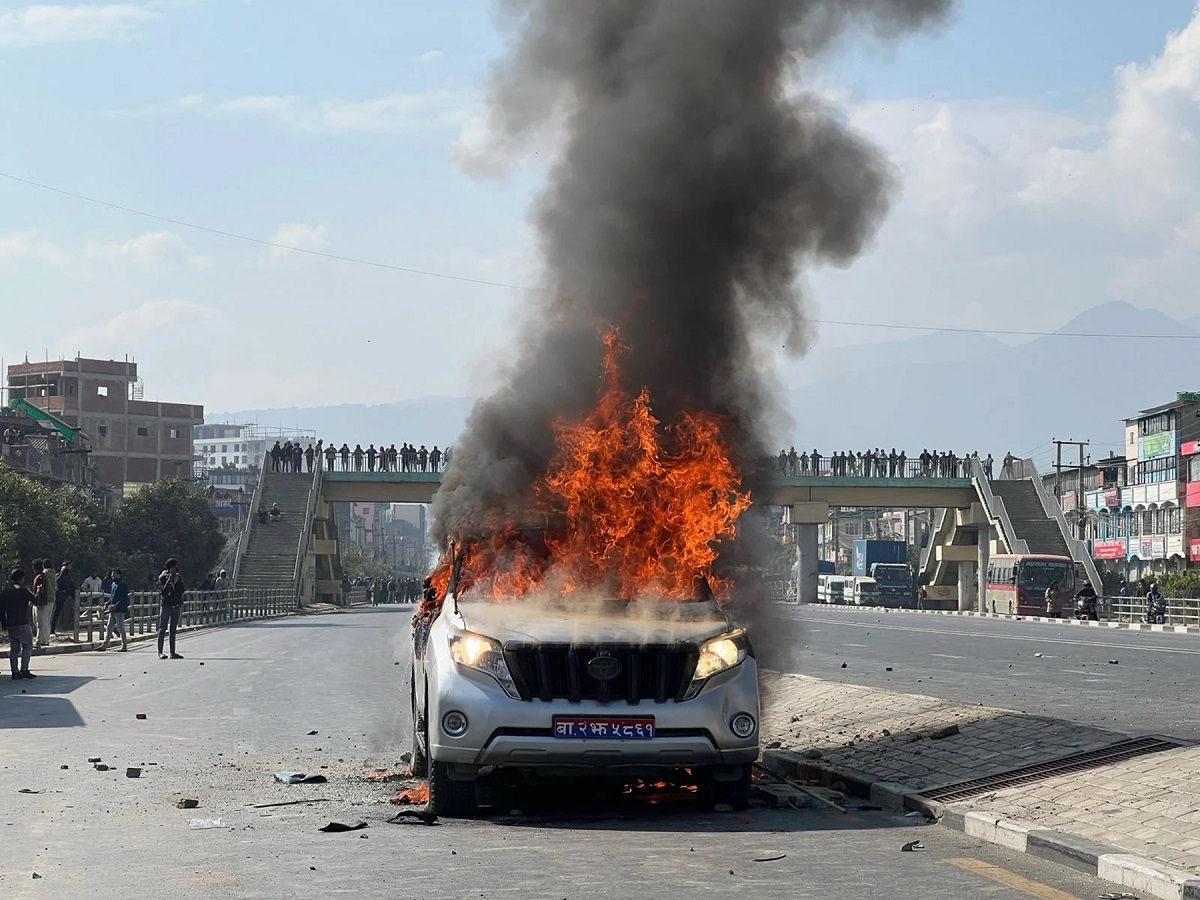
1048,156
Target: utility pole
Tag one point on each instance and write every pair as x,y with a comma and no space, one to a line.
1058,446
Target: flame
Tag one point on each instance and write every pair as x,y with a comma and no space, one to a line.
413,796
630,507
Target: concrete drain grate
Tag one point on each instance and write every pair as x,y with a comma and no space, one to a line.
1079,762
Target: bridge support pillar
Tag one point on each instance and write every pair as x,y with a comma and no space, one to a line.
966,585
985,545
806,557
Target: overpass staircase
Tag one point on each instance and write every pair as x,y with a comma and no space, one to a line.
1023,519
270,560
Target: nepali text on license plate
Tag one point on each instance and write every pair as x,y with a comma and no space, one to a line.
596,728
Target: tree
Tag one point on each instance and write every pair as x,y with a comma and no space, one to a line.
162,520
357,563
60,524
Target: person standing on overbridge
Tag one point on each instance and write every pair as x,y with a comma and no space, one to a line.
423,458
330,457
309,454
358,457
435,459
371,454
345,454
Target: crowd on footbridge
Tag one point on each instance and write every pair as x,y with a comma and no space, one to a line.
880,463
296,458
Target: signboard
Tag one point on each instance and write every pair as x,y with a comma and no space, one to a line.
1174,545
1193,493
1068,501
1194,549
1111,549
1152,547
1189,448
1112,497
1156,445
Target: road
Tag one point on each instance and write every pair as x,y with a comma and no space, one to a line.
242,705
1039,668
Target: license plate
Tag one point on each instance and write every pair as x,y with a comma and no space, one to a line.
604,728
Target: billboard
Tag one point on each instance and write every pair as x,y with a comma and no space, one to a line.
1112,497
1194,549
1189,448
1156,445
1111,549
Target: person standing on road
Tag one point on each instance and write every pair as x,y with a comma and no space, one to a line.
118,609
14,618
170,586
44,584
64,596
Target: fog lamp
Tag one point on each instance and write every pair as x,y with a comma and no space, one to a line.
743,725
454,724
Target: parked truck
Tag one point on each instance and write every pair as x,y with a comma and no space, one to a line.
887,563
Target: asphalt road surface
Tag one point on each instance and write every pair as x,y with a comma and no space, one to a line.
324,695
1034,667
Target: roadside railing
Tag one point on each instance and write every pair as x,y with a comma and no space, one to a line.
200,609
1182,611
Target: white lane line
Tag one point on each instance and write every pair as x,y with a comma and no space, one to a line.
1016,637
947,656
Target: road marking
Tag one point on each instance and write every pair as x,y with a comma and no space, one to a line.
1015,637
1011,879
947,656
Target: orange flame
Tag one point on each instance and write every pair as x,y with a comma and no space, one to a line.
631,507
413,796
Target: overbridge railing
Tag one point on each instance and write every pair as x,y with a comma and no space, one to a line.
1053,509
995,509
200,609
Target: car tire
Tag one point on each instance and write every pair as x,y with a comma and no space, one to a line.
735,794
449,798
420,743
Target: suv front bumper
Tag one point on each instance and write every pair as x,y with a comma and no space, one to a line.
504,732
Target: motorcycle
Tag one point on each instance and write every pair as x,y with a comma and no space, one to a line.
1156,610
1087,608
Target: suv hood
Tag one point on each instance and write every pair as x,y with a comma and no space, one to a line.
525,622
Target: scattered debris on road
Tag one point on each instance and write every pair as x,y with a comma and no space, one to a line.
28,791
140,716
336,827
64,767
412,817
1119,895
291,802
299,778
843,665
913,846
101,767
94,759
1039,655
1114,662
770,858
187,803
413,796
311,733
36,875
948,731
199,824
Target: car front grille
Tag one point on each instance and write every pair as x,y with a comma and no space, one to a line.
648,673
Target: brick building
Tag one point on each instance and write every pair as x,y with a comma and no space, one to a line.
133,441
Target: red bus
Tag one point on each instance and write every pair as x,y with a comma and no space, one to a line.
1016,584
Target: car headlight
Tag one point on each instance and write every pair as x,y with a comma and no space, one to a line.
717,655
474,651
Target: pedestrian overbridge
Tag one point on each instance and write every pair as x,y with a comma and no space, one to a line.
809,492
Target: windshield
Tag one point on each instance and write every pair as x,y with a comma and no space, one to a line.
892,573
1039,574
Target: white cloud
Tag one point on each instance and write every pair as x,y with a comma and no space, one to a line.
56,24
129,327
431,57
27,246
144,250
299,236
395,113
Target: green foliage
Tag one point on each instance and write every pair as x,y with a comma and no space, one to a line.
357,563
1180,584
166,519
39,522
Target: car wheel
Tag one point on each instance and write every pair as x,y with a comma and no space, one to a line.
420,743
735,794
453,799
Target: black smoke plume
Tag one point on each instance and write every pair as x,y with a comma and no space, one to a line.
696,183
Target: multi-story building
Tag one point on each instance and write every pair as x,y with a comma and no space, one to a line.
1141,513
133,441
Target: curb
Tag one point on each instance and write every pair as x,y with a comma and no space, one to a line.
1124,626
1071,850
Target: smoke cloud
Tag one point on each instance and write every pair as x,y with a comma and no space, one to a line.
694,185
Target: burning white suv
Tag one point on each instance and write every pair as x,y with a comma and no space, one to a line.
553,691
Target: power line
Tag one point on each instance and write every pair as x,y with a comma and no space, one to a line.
428,273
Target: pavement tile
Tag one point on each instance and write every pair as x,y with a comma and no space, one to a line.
1149,806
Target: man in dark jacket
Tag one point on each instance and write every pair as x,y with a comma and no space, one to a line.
64,598
14,617
118,609
170,588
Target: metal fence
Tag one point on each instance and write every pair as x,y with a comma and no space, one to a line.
1133,609
200,608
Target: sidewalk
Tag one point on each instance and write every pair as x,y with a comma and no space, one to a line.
1126,626
1136,823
